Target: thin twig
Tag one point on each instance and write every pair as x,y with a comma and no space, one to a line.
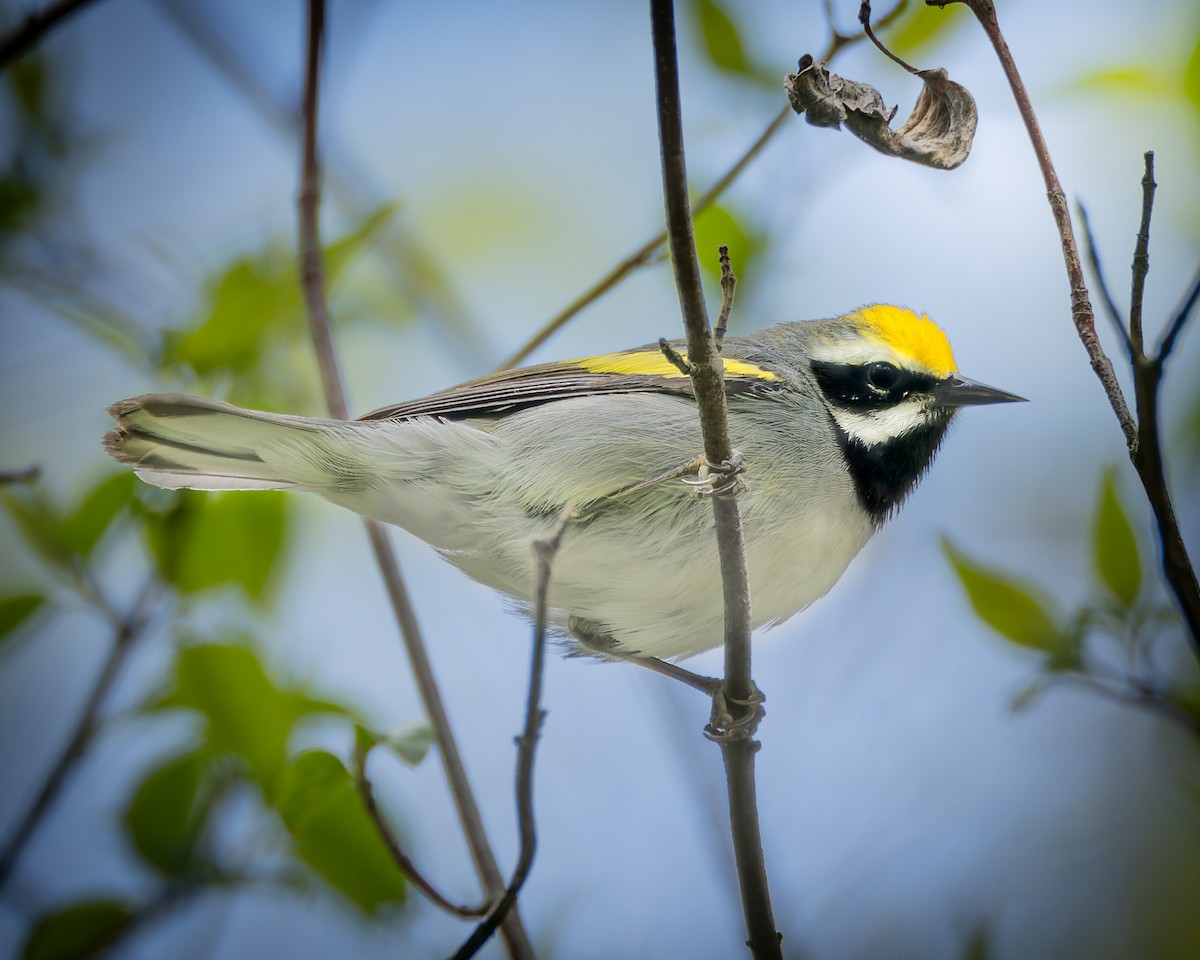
864,17
544,551
1081,307
1143,697
1141,259
30,31
1175,327
1110,305
728,286
403,861
127,630
515,937
20,477
648,252
709,388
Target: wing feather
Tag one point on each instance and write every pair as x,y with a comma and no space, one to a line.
509,390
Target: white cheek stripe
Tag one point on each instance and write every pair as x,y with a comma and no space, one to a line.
880,426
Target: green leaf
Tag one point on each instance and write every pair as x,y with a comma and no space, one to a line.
209,540
411,742
247,714
721,39
1135,81
38,523
334,834
1114,546
1013,608
921,28
252,298
16,609
717,226
164,816
340,253
1191,78
81,930
95,513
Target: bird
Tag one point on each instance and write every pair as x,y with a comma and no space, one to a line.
834,420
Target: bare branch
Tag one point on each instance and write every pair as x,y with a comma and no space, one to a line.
515,937
864,18
708,386
1175,327
1140,696
728,287
403,861
127,630
1081,307
1110,305
30,31
412,269
544,551
1141,259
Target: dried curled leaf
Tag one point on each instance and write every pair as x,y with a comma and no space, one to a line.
938,133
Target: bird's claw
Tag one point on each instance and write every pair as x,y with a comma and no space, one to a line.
718,480
723,726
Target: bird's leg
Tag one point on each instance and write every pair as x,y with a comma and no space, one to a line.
722,725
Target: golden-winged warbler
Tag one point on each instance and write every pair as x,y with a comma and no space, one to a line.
836,419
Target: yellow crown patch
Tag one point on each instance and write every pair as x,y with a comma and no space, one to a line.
916,338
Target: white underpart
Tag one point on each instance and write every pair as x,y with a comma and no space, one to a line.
880,426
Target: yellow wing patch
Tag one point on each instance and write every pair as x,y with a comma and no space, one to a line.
653,363
914,337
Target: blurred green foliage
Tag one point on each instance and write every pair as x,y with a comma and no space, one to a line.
334,834
30,177
919,28
81,930
720,40
200,541
1121,611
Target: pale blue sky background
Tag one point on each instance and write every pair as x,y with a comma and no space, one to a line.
902,803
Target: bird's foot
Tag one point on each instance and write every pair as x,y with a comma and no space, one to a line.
717,480
724,724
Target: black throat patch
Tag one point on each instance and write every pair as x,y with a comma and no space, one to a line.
884,474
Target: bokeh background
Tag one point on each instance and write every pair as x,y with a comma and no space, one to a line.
907,809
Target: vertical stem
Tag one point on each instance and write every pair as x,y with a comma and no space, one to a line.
312,274
1141,260
708,385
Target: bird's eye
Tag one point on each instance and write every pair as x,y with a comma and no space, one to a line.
882,376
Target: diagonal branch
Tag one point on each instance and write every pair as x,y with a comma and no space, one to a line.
1110,305
30,31
1081,306
127,630
1175,327
515,937
708,386
403,861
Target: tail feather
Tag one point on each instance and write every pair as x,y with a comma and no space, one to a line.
177,441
